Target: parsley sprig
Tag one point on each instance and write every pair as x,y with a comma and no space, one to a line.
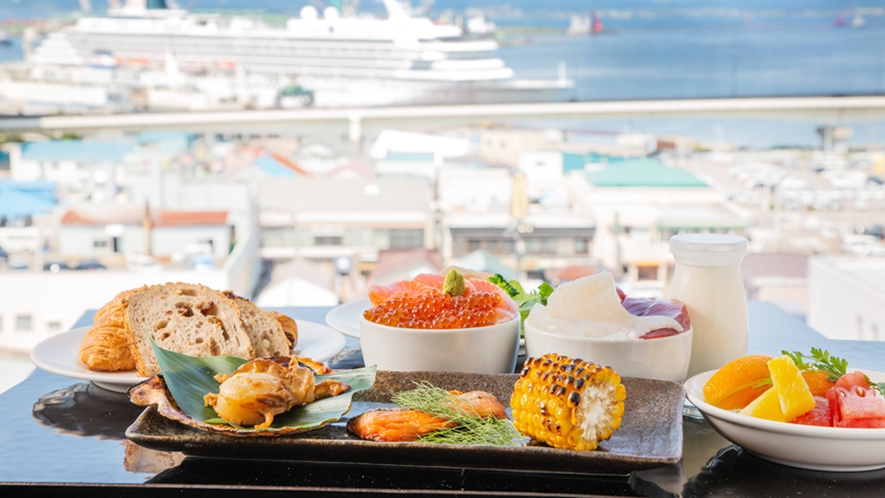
822,361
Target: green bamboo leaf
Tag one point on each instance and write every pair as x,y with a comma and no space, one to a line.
190,378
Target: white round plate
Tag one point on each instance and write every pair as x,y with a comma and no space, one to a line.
818,448
346,317
59,354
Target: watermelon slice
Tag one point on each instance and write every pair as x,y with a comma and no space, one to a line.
821,415
855,404
853,379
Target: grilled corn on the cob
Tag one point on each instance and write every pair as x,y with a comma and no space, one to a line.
566,403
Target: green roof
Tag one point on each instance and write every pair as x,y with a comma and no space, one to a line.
643,173
576,162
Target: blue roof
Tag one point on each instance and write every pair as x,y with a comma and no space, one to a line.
274,167
171,143
41,189
77,150
17,203
153,136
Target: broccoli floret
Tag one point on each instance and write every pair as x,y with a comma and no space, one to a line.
501,282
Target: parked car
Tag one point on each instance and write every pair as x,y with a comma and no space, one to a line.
90,265
55,266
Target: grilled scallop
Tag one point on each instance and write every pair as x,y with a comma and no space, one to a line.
262,388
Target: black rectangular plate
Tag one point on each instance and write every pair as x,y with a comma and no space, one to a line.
650,434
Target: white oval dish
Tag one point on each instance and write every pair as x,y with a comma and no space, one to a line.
345,318
663,358
486,350
59,354
808,447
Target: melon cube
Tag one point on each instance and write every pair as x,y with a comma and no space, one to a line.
794,394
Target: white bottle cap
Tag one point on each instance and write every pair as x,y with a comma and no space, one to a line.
708,249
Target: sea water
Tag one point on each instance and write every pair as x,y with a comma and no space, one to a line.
655,53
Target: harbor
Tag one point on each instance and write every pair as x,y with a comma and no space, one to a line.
429,247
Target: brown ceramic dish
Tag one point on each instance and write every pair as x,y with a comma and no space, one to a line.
650,435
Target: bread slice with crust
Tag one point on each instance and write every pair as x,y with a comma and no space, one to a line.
185,318
290,327
265,331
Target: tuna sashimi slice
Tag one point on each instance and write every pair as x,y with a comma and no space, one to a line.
673,308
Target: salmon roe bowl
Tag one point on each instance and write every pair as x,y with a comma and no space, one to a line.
420,325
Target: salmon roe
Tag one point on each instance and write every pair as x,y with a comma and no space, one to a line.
437,310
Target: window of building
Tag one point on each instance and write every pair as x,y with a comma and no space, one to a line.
100,243
24,323
278,237
328,240
406,238
647,272
53,326
581,245
540,246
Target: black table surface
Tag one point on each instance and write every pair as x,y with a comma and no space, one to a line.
65,437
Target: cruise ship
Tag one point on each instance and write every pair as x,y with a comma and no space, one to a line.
340,60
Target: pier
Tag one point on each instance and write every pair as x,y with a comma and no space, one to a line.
354,122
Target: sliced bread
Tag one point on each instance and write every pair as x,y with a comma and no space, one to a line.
186,318
290,327
265,331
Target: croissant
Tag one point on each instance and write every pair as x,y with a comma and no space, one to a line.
106,345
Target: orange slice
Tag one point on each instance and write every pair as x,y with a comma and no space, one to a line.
739,382
818,382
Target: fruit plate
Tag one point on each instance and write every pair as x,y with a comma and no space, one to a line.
807,447
650,435
59,354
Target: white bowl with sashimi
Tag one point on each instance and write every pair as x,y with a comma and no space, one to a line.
591,319
435,323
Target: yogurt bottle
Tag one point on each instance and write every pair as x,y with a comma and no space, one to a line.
708,280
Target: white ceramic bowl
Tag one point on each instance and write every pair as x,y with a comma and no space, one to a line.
664,358
487,350
808,447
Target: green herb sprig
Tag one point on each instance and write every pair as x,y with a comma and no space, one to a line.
822,361
468,428
525,300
